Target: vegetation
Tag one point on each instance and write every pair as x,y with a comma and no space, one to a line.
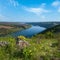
44,46
44,24
6,29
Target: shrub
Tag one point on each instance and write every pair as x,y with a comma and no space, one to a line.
21,37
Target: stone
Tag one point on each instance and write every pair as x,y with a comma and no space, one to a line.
3,43
21,44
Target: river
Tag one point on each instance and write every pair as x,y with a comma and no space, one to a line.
29,32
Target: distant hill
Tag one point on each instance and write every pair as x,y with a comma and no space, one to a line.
52,32
44,24
54,29
12,23
6,28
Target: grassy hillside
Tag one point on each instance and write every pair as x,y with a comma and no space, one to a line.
53,32
44,46
53,29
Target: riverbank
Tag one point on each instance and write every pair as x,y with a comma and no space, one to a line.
33,30
7,29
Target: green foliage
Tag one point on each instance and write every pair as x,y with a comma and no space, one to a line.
7,51
44,49
36,51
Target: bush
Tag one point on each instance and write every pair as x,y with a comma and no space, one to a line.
21,37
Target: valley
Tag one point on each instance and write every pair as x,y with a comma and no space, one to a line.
43,45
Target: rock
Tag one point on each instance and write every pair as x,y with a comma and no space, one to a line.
21,44
3,43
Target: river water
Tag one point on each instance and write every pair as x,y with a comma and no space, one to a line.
29,32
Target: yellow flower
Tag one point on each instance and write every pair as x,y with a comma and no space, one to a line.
21,37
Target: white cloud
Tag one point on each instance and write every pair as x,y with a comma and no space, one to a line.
56,3
2,17
14,3
59,9
38,11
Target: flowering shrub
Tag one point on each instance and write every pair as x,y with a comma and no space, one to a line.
21,37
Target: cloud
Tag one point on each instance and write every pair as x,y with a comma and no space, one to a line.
2,17
14,3
56,3
37,11
59,9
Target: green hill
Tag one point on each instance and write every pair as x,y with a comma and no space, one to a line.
53,32
53,29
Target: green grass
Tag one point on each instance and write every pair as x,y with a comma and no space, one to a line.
42,48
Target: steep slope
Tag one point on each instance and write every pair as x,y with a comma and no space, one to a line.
53,32
55,29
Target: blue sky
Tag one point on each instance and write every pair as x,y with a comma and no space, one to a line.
29,10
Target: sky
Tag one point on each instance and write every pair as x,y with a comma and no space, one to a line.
29,10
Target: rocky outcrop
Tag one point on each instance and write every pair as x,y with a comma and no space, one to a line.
22,44
3,43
